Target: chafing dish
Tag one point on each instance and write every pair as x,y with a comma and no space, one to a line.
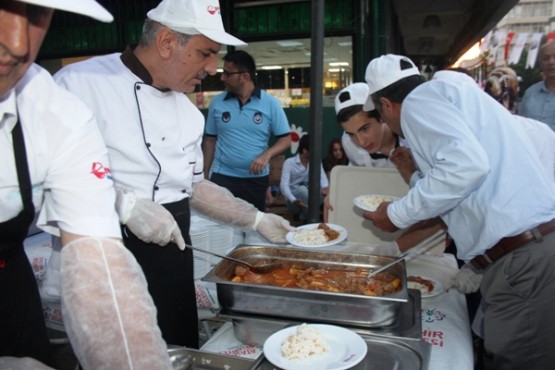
338,308
254,330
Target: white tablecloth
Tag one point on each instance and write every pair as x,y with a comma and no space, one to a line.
445,323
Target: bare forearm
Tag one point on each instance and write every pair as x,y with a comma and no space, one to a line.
280,146
419,232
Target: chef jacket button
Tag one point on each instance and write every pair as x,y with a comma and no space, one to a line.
138,87
148,145
156,187
184,190
2,263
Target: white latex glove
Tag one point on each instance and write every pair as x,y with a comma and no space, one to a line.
467,279
272,227
149,221
22,363
109,316
388,249
220,204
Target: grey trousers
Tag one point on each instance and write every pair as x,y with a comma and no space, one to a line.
519,321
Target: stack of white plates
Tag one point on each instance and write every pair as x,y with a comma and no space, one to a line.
238,238
200,238
254,238
221,240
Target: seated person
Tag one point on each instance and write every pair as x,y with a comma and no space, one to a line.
294,181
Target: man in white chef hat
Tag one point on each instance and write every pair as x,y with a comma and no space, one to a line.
498,203
154,137
54,160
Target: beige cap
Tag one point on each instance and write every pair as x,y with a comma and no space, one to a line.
386,70
194,17
85,7
354,94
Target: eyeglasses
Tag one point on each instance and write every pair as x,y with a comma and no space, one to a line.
227,73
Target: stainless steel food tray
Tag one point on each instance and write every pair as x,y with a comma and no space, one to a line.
328,307
254,330
191,359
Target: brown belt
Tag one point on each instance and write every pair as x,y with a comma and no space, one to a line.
507,245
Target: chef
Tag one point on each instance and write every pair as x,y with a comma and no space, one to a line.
154,135
54,159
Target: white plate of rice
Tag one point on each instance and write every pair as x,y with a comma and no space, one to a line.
315,346
309,236
371,202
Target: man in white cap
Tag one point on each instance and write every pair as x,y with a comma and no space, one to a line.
365,130
154,135
54,159
498,202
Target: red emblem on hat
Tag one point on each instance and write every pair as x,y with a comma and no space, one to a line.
100,171
213,9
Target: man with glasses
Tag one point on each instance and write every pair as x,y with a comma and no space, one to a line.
239,126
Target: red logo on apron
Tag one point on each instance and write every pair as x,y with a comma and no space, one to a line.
100,171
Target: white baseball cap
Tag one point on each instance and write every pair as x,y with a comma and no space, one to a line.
194,17
85,7
386,70
354,94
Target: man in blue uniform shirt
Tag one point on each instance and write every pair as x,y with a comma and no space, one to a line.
240,123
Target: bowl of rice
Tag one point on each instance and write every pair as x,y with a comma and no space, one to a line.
304,343
316,235
310,236
373,201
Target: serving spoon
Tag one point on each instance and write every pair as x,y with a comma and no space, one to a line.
260,267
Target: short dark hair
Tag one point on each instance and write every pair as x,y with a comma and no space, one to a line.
345,114
243,61
398,91
303,144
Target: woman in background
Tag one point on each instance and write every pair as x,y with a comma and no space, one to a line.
336,156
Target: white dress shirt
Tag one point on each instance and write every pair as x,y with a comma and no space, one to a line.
67,159
482,174
294,174
157,152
